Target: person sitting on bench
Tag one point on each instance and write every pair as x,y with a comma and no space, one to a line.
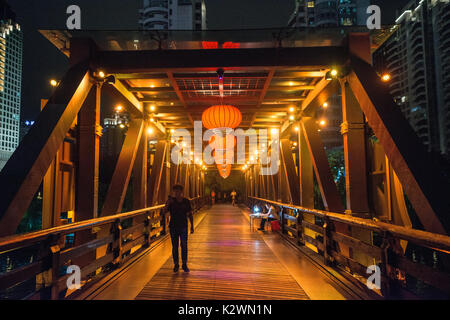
271,215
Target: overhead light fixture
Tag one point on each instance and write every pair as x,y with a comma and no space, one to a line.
322,122
150,131
119,108
386,77
325,105
291,109
291,118
54,83
296,129
152,107
101,74
331,74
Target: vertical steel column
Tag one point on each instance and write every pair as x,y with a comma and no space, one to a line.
305,172
289,171
353,131
140,174
89,133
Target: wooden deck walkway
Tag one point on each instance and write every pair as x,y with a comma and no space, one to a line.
227,261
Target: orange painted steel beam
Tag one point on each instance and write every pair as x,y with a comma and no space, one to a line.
88,154
354,137
316,98
140,174
179,95
121,176
24,171
289,170
321,166
263,94
421,178
154,181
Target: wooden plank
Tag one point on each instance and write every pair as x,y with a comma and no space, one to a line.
313,227
100,262
313,241
372,251
435,278
354,266
16,276
129,245
86,247
230,263
131,230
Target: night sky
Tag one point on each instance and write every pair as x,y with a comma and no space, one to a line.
42,61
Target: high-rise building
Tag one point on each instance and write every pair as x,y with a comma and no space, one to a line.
113,136
173,15
329,13
10,82
417,58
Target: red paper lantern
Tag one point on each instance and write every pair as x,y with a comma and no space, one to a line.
221,117
224,170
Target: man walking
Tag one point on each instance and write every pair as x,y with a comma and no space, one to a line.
233,197
180,209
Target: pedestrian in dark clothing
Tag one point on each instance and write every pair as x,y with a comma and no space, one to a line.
180,210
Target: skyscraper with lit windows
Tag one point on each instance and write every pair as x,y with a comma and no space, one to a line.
329,13
10,82
173,15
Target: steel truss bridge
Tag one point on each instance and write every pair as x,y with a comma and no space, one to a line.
175,73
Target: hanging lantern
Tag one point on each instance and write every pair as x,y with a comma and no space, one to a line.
226,158
221,117
223,143
224,170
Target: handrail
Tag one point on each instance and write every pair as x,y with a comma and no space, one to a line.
329,238
7,242
433,240
115,241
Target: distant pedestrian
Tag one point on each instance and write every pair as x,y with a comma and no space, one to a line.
213,197
233,197
180,210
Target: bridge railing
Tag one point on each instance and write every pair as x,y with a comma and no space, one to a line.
325,234
34,265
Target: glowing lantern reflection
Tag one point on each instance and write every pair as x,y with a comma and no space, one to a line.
221,117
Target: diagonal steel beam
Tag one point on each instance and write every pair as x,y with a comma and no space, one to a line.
120,93
289,171
322,92
321,166
122,173
420,177
24,171
179,95
154,182
263,95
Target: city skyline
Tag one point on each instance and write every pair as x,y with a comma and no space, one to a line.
42,65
